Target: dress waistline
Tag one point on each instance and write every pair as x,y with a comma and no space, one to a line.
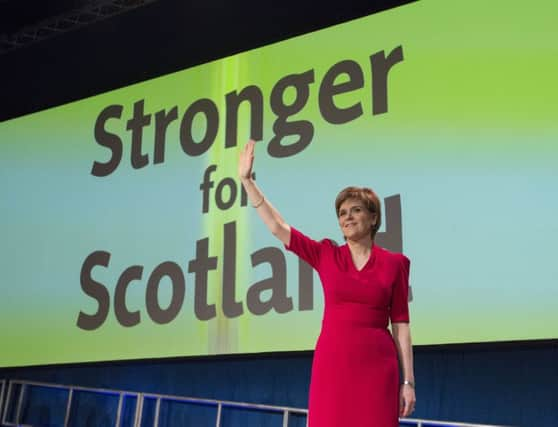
356,315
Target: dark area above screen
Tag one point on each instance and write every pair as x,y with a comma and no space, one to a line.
150,41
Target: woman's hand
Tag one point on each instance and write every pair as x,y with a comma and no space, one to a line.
407,400
270,216
246,160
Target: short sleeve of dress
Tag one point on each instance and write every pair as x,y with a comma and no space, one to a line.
399,311
306,248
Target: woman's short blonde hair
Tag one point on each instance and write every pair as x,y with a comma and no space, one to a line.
368,197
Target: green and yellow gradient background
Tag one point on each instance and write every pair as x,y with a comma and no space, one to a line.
469,143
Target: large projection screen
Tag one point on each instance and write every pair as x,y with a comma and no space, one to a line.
125,233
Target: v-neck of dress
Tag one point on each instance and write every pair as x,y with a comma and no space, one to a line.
369,261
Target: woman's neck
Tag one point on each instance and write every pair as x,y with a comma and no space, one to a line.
361,246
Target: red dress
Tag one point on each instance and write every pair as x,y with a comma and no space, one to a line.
355,371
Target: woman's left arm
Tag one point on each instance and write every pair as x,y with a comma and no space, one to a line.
402,336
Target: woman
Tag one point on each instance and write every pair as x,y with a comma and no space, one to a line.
355,371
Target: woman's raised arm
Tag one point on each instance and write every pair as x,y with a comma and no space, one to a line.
270,216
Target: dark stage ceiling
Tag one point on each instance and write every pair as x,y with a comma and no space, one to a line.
54,52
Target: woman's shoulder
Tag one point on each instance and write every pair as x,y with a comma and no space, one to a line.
329,242
392,256
328,246
324,242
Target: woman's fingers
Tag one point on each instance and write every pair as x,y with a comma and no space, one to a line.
246,159
408,408
250,147
407,402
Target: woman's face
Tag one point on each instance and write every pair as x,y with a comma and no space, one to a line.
355,220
